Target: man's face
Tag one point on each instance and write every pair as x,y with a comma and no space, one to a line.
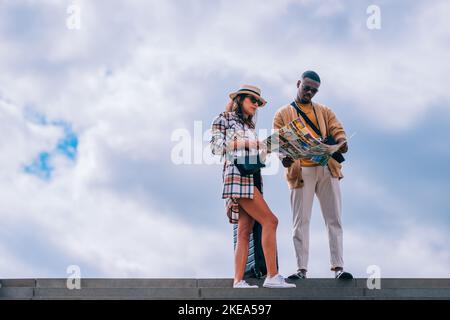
307,89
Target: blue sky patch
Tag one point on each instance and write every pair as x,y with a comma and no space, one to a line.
41,165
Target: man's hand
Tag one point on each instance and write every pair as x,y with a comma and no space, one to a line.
287,161
344,147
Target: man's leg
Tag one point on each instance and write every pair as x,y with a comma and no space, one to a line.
329,194
301,205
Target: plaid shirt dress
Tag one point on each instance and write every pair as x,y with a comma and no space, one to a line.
225,128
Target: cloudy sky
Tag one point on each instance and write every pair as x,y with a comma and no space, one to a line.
92,116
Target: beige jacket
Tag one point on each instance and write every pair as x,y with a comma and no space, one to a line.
328,124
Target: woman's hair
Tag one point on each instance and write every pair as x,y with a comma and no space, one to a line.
236,106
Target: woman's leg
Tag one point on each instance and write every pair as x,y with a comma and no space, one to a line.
258,209
245,226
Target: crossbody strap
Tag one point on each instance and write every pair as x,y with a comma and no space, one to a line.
308,121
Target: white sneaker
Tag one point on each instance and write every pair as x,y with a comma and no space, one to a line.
277,281
244,285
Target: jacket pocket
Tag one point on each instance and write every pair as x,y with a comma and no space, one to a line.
335,168
293,172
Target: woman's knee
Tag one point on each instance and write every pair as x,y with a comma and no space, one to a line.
271,221
244,235
244,231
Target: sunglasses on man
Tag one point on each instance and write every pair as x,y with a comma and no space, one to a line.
308,88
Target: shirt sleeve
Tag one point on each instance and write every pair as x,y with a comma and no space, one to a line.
218,136
335,127
277,124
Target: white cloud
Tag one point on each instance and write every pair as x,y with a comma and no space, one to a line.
417,251
412,251
393,78
116,236
11,264
21,140
401,239
91,224
135,70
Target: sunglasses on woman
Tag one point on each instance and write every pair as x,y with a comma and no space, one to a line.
254,100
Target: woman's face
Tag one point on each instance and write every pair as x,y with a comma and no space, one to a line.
249,105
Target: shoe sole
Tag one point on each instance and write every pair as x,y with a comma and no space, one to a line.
295,278
279,287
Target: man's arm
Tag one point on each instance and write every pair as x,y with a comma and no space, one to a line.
336,130
278,122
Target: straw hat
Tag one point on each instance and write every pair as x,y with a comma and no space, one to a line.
250,90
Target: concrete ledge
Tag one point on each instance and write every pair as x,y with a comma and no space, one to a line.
443,293
120,283
277,294
198,289
18,293
18,282
390,283
119,293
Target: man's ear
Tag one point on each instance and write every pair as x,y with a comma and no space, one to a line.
298,83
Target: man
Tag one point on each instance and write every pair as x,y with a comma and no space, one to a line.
307,178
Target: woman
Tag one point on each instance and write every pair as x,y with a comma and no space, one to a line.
233,134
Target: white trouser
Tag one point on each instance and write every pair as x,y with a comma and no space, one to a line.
317,180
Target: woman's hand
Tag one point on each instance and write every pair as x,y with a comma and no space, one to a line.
252,144
239,144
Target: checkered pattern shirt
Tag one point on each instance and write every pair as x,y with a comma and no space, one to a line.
225,128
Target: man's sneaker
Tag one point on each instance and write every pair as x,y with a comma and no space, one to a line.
301,274
277,281
341,274
244,285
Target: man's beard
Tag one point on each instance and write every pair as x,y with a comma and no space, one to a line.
305,99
